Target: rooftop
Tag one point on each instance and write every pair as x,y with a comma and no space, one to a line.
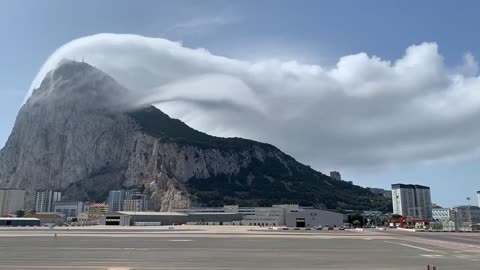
394,186
132,213
17,218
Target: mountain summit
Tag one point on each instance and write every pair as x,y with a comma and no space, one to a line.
78,134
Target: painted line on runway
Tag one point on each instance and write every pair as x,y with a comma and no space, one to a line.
411,246
180,240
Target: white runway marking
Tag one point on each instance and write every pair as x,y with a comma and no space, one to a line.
411,246
432,255
180,240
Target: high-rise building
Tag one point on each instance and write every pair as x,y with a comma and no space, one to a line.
136,202
478,197
45,200
11,200
115,200
335,175
412,201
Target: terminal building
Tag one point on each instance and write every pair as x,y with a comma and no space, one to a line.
313,218
126,218
291,215
19,222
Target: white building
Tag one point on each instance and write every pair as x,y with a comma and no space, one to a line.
412,201
267,216
478,197
70,209
441,214
45,200
11,200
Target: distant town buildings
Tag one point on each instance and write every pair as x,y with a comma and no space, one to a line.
11,200
97,210
335,175
136,202
412,201
441,214
115,200
45,200
127,200
466,214
70,209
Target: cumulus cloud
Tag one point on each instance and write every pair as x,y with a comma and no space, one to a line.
364,111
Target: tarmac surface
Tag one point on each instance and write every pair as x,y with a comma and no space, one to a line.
234,248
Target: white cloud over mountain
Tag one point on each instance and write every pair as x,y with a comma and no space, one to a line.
364,111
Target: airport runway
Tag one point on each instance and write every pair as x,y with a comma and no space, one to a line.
252,250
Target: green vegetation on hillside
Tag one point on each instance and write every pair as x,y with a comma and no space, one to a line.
261,183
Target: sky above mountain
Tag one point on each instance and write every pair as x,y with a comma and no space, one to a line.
383,92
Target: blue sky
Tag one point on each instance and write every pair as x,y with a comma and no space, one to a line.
312,32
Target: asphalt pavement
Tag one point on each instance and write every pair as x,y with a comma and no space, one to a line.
179,250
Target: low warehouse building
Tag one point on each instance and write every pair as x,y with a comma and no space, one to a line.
313,218
15,222
214,218
125,218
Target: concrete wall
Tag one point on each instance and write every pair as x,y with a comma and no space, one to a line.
314,218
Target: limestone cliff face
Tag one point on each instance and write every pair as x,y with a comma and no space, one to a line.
73,136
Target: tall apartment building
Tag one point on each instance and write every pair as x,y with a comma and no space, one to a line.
115,200
11,200
412,201
136,202
478,197
45,200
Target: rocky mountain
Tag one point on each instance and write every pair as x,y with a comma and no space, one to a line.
73,136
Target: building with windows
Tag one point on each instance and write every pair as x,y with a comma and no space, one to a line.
97,210
466,213
70,209
441,214
136,202
413,202
115,199
127,218
23,221
45,200
277,215
478,197
11,200
127,200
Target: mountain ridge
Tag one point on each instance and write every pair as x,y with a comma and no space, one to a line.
71,135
